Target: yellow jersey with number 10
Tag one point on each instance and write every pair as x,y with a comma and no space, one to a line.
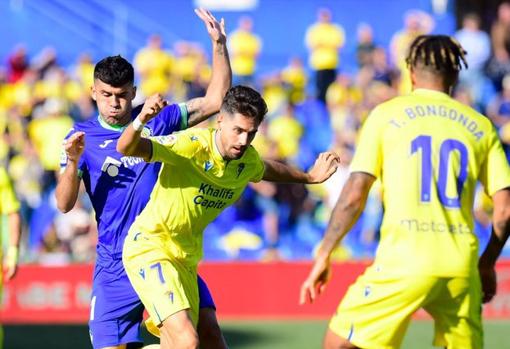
429,151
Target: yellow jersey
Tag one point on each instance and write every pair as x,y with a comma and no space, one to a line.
429,151
194,186
8,201
324,40
244,49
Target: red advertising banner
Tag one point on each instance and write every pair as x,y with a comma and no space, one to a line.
241,290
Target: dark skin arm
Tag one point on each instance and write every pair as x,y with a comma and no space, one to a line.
499,236
348,208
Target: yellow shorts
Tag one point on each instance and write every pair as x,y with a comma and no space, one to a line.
164,285
376,310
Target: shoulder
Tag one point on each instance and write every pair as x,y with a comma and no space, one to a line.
251,155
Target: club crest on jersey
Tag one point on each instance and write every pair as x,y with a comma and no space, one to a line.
146,132
111,166
194,138
240,168
208,165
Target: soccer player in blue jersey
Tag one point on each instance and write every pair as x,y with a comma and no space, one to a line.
120,186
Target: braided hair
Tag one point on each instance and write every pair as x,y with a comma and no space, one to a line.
438,54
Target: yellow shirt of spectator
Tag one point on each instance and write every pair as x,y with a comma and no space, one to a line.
429,152
154,66
244,49
286,131
324,40
194,186
47,134
8,201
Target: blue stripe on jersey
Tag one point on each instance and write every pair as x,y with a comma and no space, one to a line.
119,186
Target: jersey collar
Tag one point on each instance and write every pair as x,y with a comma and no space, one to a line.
216,150
107,126
428,92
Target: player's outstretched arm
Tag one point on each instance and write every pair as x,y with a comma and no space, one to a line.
68,184
324,167
499,236
201,108
349,206
130,142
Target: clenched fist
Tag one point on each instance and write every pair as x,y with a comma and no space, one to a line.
152,107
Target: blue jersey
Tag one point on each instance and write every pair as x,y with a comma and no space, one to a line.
119,186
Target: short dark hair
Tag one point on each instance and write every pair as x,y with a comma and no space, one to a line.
439,54
115,71
246,101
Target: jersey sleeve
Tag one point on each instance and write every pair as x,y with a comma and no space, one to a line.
8,201
175,117
63,156
368,155
495,171
173,148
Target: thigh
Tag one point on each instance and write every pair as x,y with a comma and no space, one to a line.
164,285
116,310
376,311
457,314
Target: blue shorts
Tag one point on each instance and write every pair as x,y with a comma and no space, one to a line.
116,312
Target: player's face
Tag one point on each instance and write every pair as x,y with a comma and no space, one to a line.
236,132
114,103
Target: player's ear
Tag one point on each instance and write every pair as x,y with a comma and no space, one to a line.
133,93
93,92
220,118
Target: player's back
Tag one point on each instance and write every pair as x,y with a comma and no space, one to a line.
431,150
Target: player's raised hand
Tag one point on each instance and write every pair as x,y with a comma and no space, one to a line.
215,29
152,107
324,167
74,146
489,283
316,281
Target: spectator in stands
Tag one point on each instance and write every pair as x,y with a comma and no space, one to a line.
17,63
324,39
365,45
416,23
295,79
499,65
244,48
153,64
477,44
46,133
499,112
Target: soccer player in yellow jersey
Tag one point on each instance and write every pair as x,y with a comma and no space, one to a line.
9,205
203,172
428,151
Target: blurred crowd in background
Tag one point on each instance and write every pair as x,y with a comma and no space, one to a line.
314,105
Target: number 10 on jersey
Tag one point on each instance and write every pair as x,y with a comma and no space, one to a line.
423,143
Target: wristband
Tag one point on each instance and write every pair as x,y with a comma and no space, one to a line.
138,125
11,258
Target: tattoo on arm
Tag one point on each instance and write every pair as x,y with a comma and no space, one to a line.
195,111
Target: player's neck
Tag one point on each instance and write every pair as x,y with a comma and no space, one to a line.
217,143
429,85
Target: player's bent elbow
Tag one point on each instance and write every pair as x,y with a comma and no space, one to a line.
64,207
